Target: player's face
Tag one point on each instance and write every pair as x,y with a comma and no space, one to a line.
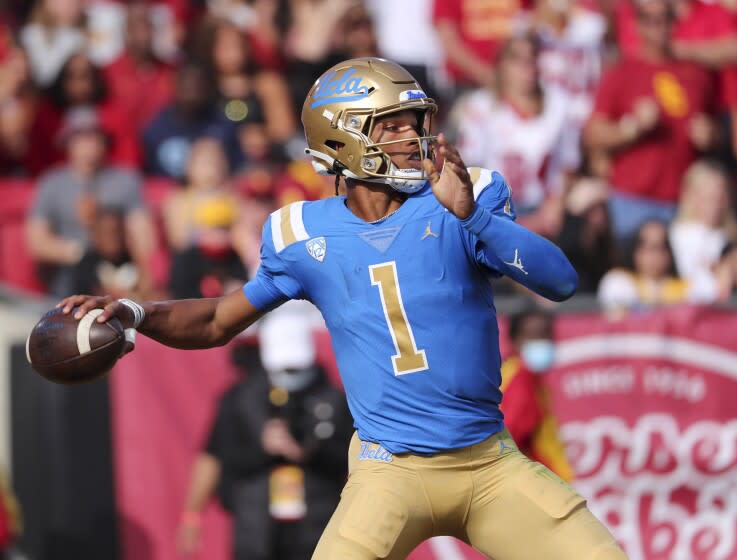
403,125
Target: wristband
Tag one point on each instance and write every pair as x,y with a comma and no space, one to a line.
190,518
138,313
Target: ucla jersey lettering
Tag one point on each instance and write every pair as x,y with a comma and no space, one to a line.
333,88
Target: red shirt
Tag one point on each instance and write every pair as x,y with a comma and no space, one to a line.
139,91
703,22
482,25
46,151
653,166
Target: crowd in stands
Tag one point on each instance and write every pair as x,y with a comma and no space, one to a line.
614,121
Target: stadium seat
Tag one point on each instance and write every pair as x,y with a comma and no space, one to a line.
16,266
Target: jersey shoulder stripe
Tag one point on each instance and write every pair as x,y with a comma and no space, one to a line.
491,184
484,178
287,226
481,178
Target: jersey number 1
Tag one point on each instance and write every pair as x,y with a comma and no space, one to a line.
408,358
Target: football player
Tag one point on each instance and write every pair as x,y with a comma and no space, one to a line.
399,267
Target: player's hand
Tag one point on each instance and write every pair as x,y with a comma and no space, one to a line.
111,308
452,185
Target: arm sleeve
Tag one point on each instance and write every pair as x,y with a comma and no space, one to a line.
273,284
507,248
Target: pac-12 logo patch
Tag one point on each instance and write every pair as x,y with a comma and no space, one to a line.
317,247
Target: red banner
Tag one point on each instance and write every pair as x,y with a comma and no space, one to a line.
647,411
645,404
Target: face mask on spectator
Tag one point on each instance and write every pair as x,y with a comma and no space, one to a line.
293,380
538,355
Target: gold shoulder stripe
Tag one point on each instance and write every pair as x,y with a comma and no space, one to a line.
287,231
474,173
287,226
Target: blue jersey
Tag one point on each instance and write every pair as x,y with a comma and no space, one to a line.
409,306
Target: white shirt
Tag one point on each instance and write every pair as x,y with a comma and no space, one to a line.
48,50
531,153
696,249
580,47
405,31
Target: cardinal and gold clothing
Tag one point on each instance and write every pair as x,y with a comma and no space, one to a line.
653,167
528,418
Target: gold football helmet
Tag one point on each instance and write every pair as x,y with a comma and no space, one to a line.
340,112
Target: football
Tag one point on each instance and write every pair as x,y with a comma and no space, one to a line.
70,351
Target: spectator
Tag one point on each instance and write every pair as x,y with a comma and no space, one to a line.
358,38
704,224
586,236
198,222
55,32
264,22
246,93
168,137
651,279
17,109
471,33
105,30
310,42
704,33
79,84
276,452
418,51
652,116
106,267
69,196
571,36
534,155
526,403
138,70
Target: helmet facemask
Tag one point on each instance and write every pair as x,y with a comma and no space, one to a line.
377,164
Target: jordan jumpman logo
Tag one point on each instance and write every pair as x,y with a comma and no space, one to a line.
429,232
517,262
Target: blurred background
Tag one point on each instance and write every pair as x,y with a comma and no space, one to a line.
142,146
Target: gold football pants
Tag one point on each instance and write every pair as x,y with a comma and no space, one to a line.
488,495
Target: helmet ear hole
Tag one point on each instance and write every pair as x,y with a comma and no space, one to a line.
334,145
